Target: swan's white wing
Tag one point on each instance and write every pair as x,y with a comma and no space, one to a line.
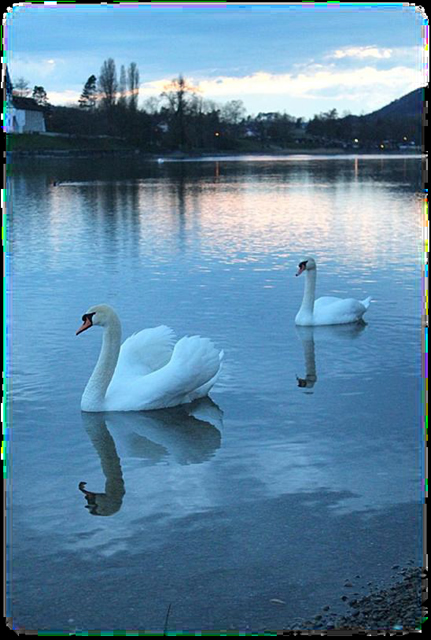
146,351
329,310
195,362
325,300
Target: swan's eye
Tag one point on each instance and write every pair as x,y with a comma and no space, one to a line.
301,265
88,316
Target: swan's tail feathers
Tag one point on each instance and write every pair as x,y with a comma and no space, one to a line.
203,391
366,302
197,362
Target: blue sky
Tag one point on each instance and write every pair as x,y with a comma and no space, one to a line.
301,59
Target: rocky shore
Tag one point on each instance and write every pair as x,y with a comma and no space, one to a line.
396,608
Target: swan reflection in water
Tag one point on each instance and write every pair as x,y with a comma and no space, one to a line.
325,333
187,434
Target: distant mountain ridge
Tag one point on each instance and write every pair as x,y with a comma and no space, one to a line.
398,124
408,106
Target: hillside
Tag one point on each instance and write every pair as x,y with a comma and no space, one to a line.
409,106
398,124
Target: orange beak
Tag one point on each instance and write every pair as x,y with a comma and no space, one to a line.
85,325
300,270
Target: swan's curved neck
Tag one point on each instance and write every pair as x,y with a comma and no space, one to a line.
95,391
310,358
309,292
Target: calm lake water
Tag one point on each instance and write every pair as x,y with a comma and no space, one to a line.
248,511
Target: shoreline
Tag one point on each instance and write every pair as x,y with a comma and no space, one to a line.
396,607
178,156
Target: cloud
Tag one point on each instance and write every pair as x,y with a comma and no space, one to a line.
371,51
309,89
365,85
309,82
64,98
33,68
377,55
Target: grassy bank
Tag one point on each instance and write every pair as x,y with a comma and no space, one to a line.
34,144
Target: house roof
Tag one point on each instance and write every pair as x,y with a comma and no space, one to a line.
8,83
27,104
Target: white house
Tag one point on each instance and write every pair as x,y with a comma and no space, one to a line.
22,115
26,116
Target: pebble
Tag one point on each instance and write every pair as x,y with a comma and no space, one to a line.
398,607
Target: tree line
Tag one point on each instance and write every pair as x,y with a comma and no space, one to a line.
181,119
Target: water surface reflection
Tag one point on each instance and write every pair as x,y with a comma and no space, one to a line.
181,435
325,334
283,493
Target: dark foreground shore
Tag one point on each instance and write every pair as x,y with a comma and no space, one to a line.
396,608
41,146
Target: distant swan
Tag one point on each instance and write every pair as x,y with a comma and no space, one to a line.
329,309
147,371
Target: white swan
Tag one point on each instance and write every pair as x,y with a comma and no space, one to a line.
147,371
326,310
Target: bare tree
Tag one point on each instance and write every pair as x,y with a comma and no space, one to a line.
178,93
233,112
133,85
21,88
122,88
108,84
210,106
151,105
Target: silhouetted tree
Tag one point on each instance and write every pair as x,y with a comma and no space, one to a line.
122,88
108,84
89,94
233,112
326,125
133,85
40,95
151,105
177,93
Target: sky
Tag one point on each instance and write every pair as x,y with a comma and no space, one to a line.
302,59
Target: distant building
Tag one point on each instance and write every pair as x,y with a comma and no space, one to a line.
163,127
22,115
26,116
